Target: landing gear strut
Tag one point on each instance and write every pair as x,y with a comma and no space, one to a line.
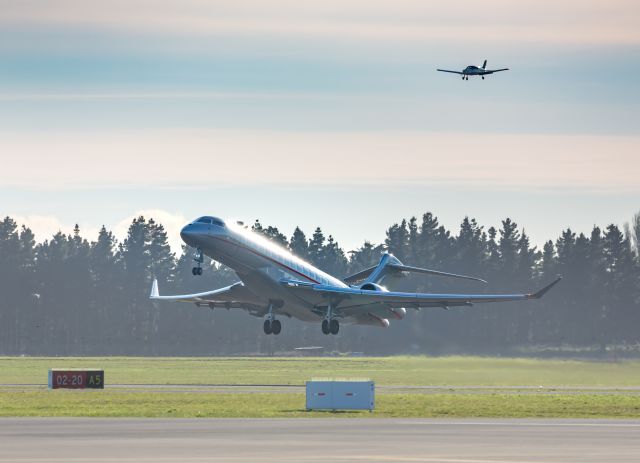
330,325
199,258
271,325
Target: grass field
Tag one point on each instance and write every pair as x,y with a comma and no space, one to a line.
259,405
406,371
409,371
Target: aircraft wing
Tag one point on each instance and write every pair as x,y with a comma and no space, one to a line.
352,300
452,72
234,296
491,71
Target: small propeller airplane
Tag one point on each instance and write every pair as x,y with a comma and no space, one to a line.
474,71
274,282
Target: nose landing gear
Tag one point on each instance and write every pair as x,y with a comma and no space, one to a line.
199,258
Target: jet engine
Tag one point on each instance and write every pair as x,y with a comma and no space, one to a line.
373,287
398,313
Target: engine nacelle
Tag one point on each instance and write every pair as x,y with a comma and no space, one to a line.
398,312
374,287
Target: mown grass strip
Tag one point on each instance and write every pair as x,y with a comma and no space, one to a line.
265,405
403,370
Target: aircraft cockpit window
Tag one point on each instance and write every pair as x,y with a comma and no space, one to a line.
211,220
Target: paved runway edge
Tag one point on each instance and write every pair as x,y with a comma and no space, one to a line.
315,440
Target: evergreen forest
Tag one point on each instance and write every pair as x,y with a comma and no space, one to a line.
71,295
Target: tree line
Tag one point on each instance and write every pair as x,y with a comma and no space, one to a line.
71,296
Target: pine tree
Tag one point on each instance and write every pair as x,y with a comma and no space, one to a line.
299,245
335,260
316,248
428,240
17,261
397,241
364,257
620,286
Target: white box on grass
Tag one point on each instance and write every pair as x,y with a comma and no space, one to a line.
340,395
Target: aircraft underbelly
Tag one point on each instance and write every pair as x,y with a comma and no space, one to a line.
261,277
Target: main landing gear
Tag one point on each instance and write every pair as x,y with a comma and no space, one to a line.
199,258
330,325
271,324
272,327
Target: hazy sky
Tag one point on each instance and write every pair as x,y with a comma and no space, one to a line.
319,113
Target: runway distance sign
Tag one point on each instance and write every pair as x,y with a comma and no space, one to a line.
76,379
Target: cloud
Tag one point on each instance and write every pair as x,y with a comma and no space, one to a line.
168,95
572,21
45,226
201,158
171,222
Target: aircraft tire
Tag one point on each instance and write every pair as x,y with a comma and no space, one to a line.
267,327
276,327
199,270
194,271
334,326
325,327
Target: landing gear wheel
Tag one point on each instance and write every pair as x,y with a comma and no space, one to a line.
268,329
276,326
482,77
334,326
325,327
199,258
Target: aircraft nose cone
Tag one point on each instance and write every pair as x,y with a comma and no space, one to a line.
187,233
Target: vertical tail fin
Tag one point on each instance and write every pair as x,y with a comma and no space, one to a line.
484,66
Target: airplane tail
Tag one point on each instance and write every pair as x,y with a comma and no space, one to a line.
390,266
484,66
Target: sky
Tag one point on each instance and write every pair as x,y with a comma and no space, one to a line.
319,113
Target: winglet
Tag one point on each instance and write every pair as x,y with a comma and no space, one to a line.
543,291
154,289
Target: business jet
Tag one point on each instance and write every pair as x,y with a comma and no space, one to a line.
474,71
275,284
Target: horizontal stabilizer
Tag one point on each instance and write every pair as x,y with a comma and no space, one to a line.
389,264
406,268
